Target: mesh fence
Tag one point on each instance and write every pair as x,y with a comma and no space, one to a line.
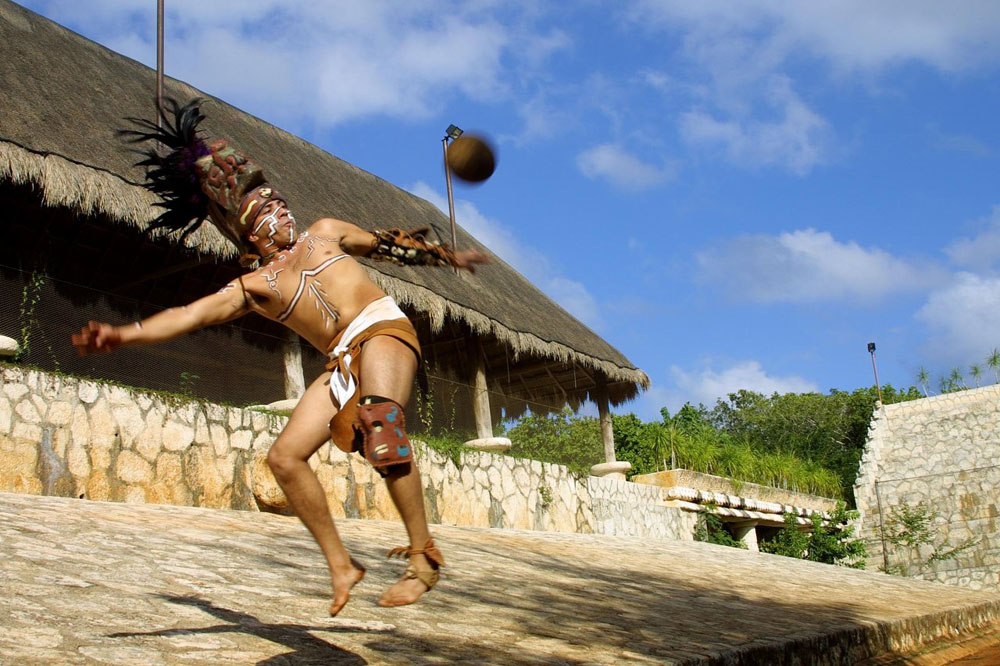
933,524
235,363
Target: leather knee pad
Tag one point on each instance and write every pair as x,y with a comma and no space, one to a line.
383,429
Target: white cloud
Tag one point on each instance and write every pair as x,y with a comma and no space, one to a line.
797,139
621,168
322,63
981,251
708,385
963,318
849,34
808,265
527,260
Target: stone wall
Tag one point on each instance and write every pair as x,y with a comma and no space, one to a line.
941,453
77,438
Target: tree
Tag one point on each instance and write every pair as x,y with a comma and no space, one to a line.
976,373
562,437
923,377
993,361
831,541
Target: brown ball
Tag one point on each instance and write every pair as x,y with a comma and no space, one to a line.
471,158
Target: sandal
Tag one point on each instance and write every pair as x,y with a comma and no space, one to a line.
428,577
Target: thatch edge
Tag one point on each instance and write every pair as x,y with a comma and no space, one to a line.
439,309
89,191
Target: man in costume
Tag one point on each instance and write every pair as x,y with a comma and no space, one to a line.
311,283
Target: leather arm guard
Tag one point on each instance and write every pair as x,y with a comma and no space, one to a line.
410,248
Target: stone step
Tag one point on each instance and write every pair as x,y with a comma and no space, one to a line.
88,582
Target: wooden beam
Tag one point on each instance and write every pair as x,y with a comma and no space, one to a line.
480,395
607,432
295,382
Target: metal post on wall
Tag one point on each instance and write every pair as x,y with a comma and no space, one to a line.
159,59
450,134
881,529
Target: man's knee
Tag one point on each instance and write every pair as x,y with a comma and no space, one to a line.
281,462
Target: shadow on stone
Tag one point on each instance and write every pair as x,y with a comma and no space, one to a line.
308,649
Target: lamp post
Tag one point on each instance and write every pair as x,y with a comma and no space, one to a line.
159,60
878,387
450,134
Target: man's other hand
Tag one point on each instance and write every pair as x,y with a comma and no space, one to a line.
96,338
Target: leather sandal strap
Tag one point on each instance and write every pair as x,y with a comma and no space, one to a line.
430,551
428,577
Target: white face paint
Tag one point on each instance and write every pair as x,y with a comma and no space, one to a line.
274,225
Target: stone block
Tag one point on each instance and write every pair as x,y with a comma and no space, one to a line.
177,436
219,439
6,412
77,460
88,392
264,486
27,412
28,432
130,467
18,465
241,439
15,391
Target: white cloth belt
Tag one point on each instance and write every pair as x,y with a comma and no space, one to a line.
384,309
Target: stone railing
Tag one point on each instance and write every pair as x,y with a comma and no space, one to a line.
73,437
745,506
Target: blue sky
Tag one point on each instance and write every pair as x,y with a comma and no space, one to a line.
734,194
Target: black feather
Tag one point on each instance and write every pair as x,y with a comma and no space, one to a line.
169,157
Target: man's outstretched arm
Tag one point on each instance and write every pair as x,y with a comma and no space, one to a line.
225,305
360,243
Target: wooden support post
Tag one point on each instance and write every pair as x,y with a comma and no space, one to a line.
295,383
480,395
607,433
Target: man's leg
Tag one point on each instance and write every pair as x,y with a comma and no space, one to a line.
307,430
387,370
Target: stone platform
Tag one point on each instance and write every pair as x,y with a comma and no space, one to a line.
84,582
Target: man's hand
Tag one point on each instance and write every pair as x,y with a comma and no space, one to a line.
468,259
96,338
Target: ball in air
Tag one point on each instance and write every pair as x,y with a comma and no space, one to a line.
471,158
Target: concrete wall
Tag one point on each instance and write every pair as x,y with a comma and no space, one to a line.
77,438
943,451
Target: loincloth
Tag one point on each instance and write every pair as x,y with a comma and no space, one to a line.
381,317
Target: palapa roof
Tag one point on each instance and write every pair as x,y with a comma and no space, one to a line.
63,96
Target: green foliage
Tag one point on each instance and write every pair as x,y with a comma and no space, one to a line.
450,444
710,528
30,297
911,528
563,438
831,541
187,383
691,440
828,430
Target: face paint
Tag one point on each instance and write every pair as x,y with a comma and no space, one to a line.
272,225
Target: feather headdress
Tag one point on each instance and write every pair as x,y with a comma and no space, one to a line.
196,180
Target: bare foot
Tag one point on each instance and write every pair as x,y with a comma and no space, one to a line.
342,585
409,588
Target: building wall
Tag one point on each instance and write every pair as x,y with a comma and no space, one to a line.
77,438
942,455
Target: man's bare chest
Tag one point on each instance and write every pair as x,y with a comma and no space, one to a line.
301,278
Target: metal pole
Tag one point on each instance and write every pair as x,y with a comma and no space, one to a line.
881,529
451,198
878,387
159,60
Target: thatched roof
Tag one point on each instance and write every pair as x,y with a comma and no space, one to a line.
63,96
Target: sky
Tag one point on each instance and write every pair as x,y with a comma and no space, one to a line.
736,195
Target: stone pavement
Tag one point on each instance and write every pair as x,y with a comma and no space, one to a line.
85,582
